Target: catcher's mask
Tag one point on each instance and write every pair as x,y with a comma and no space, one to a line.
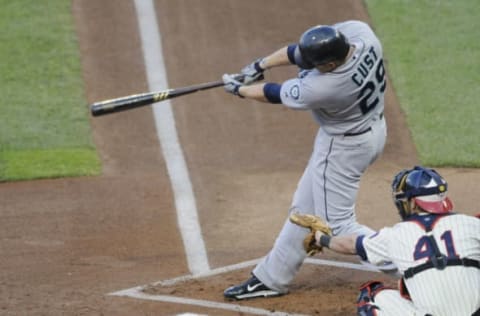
425,186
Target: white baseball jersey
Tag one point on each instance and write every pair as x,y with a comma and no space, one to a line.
455,290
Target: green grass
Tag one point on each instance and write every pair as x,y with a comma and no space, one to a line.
432,55
48,163
44,130
432,49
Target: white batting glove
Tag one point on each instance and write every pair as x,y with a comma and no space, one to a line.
253,72
231,84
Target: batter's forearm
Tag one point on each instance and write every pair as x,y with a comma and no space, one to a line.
256,92
253,92
277,58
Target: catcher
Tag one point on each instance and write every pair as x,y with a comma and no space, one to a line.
436,250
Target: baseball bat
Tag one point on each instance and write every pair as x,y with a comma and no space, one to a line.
142,99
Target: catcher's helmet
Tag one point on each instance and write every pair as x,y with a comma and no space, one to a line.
322,44
425,186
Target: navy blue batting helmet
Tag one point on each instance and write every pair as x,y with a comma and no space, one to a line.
322,44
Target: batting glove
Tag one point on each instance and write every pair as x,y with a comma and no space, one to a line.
253,72
231,84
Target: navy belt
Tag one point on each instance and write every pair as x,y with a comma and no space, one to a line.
358,133
380,116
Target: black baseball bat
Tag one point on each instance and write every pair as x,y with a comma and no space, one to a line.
142,99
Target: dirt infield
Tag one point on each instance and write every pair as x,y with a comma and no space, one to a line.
67,243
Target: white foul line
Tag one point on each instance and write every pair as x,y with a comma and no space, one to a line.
138,291
246,264
208,304
176,166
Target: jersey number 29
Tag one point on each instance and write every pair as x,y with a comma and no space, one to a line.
368,98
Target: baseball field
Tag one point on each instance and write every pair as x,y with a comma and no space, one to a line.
143,213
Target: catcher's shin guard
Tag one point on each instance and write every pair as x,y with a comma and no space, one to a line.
366,298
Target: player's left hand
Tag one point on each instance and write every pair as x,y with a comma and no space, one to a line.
253,72
231,84
316,226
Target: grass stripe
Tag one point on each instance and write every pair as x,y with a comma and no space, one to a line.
43,113
432,54
36,164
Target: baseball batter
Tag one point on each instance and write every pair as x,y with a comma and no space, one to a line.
342,82
436,250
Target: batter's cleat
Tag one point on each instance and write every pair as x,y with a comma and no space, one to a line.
252,288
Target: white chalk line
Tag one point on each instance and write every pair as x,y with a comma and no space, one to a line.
207,304
185,204
138,291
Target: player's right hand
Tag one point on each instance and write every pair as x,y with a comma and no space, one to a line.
231,84
253,72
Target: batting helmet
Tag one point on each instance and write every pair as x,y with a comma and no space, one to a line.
425,186
322,44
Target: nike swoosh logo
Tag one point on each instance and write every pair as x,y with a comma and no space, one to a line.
253,287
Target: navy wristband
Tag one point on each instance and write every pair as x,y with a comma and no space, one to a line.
257,66
325,241
237,93
291,53
271,91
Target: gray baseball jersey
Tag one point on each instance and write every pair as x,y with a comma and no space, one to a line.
345,100
348,104
454,290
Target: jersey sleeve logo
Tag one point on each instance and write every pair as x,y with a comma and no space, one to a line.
295,92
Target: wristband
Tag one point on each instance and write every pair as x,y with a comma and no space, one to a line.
237,92
325,241
257,65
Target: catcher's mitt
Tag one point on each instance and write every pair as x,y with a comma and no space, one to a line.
314,223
